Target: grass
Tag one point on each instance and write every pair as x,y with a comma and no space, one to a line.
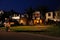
51,30
27,28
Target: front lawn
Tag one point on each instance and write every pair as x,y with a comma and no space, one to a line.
52,30
28,28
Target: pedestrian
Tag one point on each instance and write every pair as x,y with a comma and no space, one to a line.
7,25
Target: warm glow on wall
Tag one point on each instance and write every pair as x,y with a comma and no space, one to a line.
35,22
40,21
21,21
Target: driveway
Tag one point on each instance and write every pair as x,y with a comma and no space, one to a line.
25,36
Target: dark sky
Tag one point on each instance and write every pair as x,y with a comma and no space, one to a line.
20,5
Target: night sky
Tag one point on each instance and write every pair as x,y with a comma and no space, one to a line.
20,5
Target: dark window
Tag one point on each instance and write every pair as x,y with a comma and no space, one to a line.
49,14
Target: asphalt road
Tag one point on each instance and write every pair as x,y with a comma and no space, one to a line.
25,36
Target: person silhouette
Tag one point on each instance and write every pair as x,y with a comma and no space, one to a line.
7,25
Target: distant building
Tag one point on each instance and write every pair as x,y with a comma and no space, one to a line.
36,14
15,17
23,21
37,17
53,16
1,19
49,15
57,16
1,12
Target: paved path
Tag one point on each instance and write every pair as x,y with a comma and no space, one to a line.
24,36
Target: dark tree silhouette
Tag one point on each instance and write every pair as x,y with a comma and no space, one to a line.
42,9
29,12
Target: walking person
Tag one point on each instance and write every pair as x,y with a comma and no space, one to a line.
7,25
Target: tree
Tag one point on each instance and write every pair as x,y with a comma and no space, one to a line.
42,9
29,11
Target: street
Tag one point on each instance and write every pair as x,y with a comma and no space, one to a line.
25,36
